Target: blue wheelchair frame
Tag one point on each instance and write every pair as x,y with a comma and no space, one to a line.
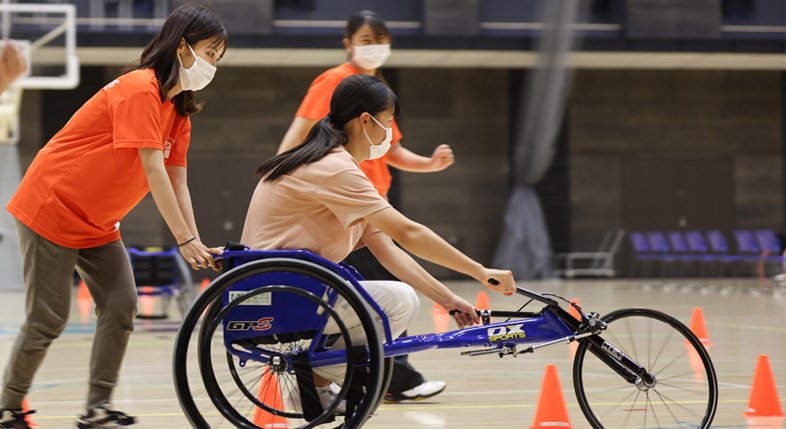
536,328
306,289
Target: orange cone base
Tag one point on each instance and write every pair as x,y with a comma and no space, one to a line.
552,411
764,401
26,408
766,422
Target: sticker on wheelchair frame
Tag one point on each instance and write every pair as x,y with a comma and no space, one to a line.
261,299
508,332
612,351
262,324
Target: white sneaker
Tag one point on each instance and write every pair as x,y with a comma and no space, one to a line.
423,391
326,397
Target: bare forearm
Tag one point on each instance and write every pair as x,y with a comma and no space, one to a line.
187,210
167,204
163,194
426,244
406,269
404,159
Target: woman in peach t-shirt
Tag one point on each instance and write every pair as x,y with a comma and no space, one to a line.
367,42
315,197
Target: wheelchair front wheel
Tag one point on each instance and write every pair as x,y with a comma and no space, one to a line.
682,393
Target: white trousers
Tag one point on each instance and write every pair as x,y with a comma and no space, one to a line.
399,302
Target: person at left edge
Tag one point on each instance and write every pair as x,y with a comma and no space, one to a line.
129,139
12,64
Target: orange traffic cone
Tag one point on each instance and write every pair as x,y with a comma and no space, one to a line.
482,303
84,301
441,318
269,394
83,291
26,408
147,301
203,285
765,422
764,401
699,328
573,312
552,411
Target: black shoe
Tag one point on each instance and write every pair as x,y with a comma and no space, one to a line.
14,419
104,418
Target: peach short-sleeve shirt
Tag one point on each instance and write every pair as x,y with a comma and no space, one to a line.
318,207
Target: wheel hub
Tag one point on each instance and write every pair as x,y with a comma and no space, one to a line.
647,382
277,364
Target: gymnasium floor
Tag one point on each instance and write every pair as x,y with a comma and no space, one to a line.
744,319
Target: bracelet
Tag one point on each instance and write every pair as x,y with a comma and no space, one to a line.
186,242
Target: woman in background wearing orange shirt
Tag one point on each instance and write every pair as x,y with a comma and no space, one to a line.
129,139
367,41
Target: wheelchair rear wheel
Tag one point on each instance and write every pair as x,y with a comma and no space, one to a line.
236,362
682,393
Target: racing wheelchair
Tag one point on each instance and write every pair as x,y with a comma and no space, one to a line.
260,335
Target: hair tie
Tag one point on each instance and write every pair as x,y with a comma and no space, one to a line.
331,117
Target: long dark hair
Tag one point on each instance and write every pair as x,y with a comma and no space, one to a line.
194,23
355,95
366,17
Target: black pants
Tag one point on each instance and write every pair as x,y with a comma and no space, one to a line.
405,377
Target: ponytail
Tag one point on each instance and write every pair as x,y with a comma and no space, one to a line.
318,143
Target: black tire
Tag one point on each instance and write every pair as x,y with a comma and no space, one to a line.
685,388
386,379
214,385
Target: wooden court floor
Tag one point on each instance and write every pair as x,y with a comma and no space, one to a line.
744,319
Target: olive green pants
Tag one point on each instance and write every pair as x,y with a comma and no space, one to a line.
48,277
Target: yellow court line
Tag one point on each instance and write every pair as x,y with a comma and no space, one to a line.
397,408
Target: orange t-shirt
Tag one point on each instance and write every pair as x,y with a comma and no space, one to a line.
317,207
89,176
316,105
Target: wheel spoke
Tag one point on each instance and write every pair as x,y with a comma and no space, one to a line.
609,402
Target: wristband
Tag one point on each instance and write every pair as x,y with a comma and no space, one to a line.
186,242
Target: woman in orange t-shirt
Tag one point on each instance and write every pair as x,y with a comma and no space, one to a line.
367,41
129,139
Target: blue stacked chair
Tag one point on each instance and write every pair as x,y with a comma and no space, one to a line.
772,253
712,264
642,253
660,247
719,247
684,254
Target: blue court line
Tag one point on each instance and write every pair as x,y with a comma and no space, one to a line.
90,328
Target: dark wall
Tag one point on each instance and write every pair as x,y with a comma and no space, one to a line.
699,148
675,150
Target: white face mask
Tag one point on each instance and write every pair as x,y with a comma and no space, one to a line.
198,76
370,57
378,150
